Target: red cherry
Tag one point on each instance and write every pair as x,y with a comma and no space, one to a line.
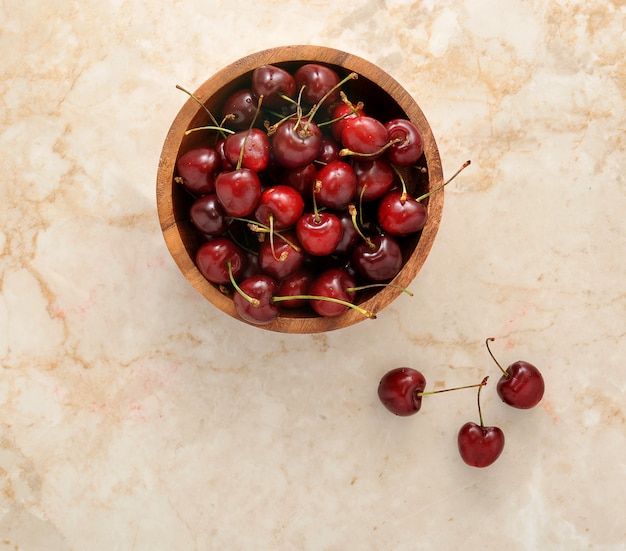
334,284
329,150
480,446
342,112
317,80
256,149
241,106
253,300
400,214
319,233
280,258
399,391
238,191
521,385
273,83
208,215
302,179
409,148
375,176
364,138
378,259
337,185
281,203
296,143
298,284
212,258
197,169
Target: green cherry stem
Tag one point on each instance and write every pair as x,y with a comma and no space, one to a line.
494,358
353,214
366,313
251,300
373,285
480,413
479,385
464,166
314,109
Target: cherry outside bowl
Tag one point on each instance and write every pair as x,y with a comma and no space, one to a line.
384,99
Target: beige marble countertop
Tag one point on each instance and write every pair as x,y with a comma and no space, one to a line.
135,416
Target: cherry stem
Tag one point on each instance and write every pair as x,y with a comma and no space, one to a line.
493,357
372,285
353,214
314,109
464,166
482,383
402,183
220,129
346,152
480,413
316,189
257,227
284,254
251,300
366,313
197,100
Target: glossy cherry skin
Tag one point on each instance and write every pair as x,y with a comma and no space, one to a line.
480,446
242,106
342,112
329,150
333,283
197,169
212,256
399,390
296,284
238,191
272,82
381,262
337,185
262,288
302,179
407,151
401,216
282,203
319,234
256,149
296,143
284,260
364,135
522,387
376,176
208,215
317,80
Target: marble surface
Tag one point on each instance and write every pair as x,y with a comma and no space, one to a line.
135,416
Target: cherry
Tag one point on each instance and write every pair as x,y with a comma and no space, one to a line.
297,284
401,390
274,84
329,150
248,149
208,215
409,148
340,113
253,299
238,191
319,233
479,445
302,179
280,258
521,384
332,284
225,163
239,109
379,258
197,169
213,257
400,214
364,137
317,83
280,207
374,178
349,236
337,185
296,142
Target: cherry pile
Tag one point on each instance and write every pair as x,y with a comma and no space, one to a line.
298,194
520,386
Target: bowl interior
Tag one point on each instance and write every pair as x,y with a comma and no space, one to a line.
383,98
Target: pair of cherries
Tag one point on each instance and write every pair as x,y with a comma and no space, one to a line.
520,386
298,194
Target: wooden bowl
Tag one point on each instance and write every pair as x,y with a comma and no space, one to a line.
383,97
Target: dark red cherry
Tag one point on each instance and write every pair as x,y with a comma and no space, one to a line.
197,169
243,107
296,143
364,137
261,310
342,112
301,179
256,151
280,258
281,203
375,176
238,191
349,236
212,258
337,185
208,215
480,446
378,259
333,283
298,284
409,149
399,391
317,81
400,214
319,234
273,83
329,150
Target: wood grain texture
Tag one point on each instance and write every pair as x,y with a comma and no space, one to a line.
384,98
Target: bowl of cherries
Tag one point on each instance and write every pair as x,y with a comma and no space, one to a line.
299,189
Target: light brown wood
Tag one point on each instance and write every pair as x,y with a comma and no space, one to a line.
384,98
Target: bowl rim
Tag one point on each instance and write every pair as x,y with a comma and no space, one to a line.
297,54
